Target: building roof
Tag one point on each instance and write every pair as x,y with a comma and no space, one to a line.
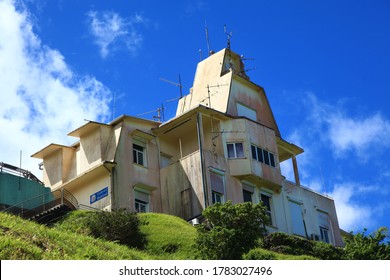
49,149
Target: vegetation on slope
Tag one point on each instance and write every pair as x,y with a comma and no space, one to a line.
166,237
24,240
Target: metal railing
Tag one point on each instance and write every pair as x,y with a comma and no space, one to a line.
41,203
11,169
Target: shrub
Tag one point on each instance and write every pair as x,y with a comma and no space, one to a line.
368,247
259,254
325,251
287,244
118,226
230,230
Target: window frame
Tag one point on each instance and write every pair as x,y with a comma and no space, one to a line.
235,154
297,226
325,226
139,202
216,191
246,111
264,156
214,196
270,210
324,235
139,149
249,188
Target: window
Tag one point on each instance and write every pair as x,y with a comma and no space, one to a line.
324,235
266,199
263,156
141,206
246,111
324,224
165,160
297,218
247,192
266,157
141,201
272,159
247,196
235,150
139,154
217,181
217,197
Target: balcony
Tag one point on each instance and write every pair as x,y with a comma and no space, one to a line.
256,172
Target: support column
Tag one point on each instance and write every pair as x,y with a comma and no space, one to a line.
296,173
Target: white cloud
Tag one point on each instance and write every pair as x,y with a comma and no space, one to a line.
352,212
111,31
42,99
346,133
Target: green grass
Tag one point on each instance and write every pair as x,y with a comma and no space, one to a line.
24,240
168,238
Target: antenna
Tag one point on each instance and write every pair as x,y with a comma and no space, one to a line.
160,113
180,85
230,34
207,38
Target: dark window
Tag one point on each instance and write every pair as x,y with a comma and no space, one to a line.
138,154
272,159
267,203
263,156
253,149
324,235
217,197
230,149
260,155
266,157
247,196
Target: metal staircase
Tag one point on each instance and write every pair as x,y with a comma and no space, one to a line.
47,208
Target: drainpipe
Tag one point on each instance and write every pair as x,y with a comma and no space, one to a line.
200,143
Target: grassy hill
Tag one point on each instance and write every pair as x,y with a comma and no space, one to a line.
168,237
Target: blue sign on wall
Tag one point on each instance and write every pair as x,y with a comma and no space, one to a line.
98,195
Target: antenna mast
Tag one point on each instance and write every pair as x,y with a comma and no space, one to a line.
180,85
230,34
160,113
207,39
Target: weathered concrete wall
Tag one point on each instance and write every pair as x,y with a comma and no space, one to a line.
52,166
211,85
128,174
87,185
253,96
90,150
312,203
181,187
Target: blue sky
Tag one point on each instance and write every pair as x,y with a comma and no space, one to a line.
325,66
